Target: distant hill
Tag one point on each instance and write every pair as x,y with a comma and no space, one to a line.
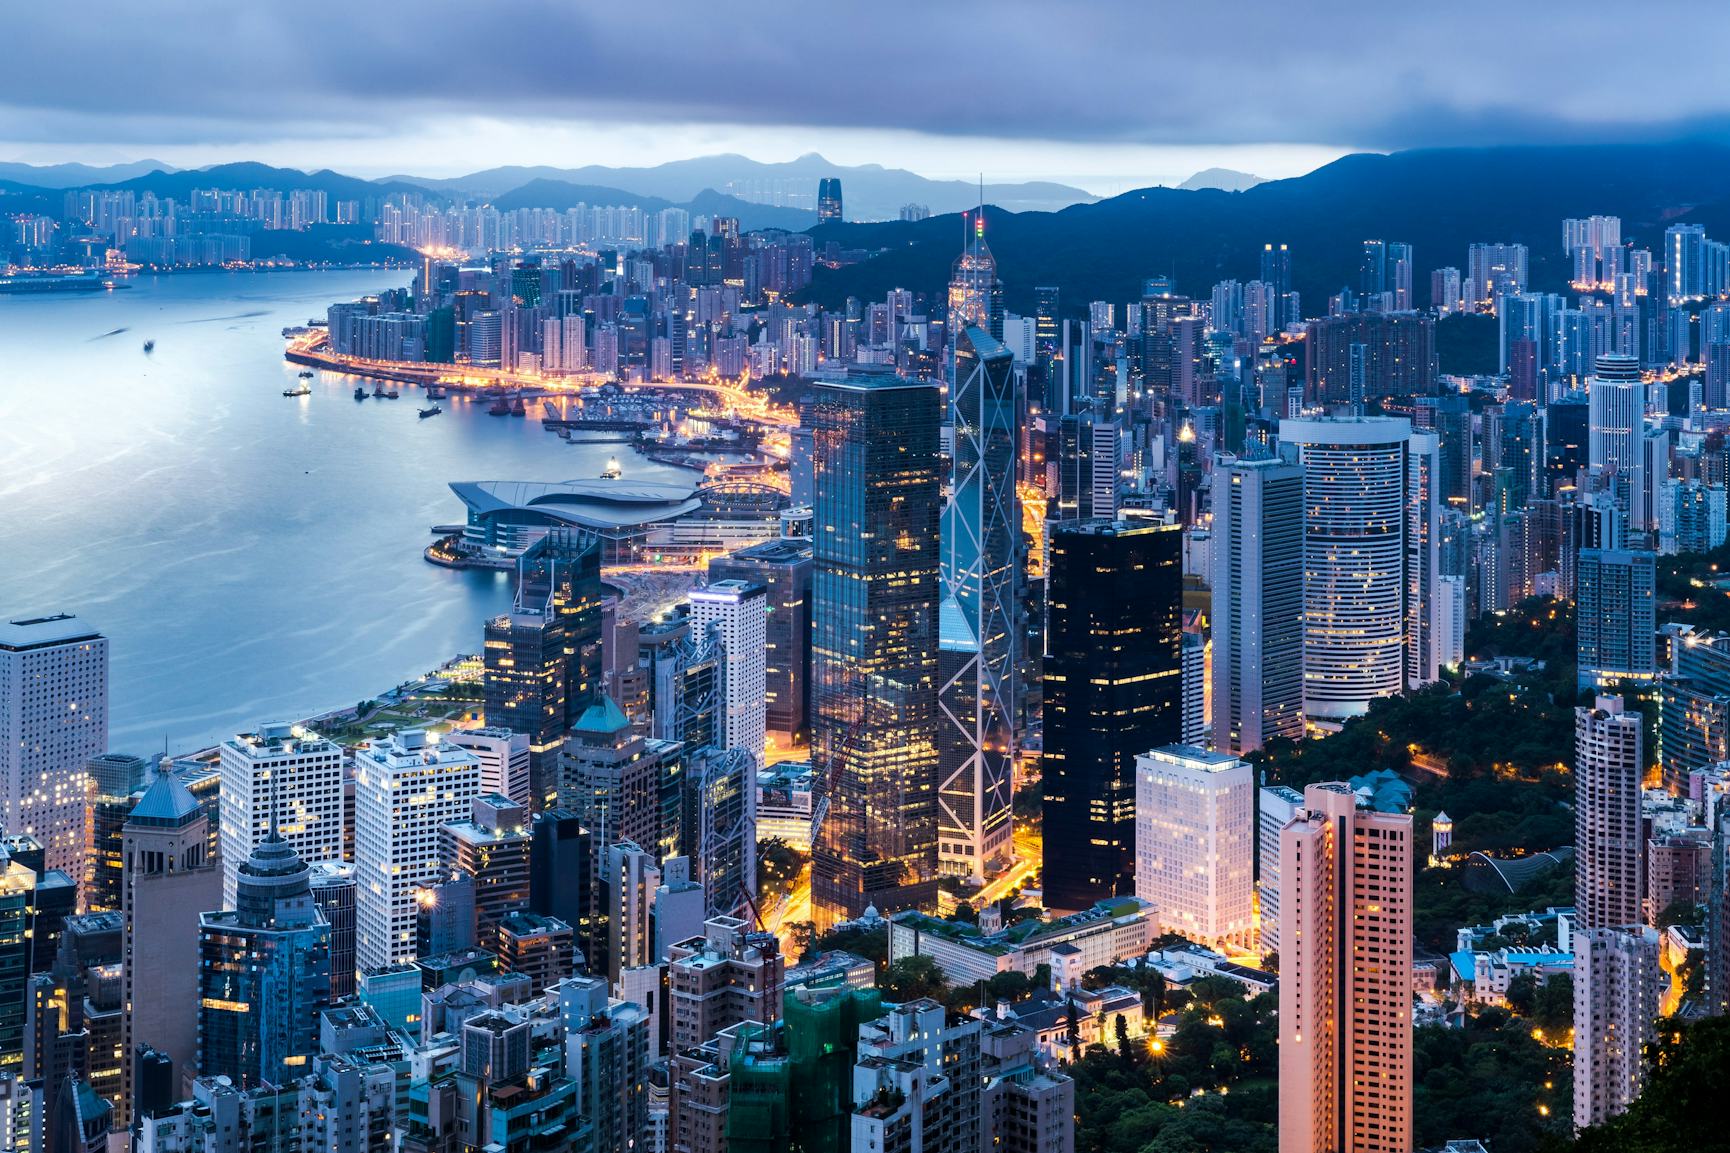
869,192
1224,179
179,184
1439,200
78,175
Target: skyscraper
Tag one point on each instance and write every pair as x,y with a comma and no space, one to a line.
1609,859
979,616
1369,540
1275,806
1615,616
1258,580
167,880
504,758
543,658
524,683
406,787
1618,985
1401,267
1113,690
263,972
281,778
53,719
783,567
829,200
975,293
1345,994
738,613
1373,269
493,848
1195,822
116,779
721,785
1616,404
17,886
874,642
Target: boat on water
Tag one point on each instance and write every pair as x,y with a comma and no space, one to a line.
433,411
392,394
359,392
72,282
499,407
518,408
612,471
378,391
434,392
306,374
297,390
149,346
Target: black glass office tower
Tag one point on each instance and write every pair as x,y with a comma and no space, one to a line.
874,641
1113,690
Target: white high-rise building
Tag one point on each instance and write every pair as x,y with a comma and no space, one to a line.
1195,842
53,719
1369,559
1615,414
739,612
1618,985
1450,631
1258,574
406,786
1276,805
286,776
1609,858
504,758
573,356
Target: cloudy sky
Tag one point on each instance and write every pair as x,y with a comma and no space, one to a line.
1108,95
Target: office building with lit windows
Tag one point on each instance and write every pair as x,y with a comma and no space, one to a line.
407,786
874,640
1615,613
1195,823
283,778
1369,560
1257,619
263,972
53,719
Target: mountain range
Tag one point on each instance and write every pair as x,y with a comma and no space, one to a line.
870,191
761,195
1439,200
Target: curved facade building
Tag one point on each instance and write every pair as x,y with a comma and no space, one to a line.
626,516
1368,540
513,514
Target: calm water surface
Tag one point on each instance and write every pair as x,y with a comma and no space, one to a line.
250,557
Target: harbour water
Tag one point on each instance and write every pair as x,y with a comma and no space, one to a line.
250,557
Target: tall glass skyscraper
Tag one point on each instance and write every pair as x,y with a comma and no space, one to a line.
979,617
263,972
874,641
1113,690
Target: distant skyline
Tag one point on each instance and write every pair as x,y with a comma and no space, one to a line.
947,91
459,148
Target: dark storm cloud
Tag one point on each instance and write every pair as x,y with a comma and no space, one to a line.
1370,74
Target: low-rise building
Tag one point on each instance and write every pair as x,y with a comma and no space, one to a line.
1111,931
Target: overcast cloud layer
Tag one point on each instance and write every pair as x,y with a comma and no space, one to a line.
452,85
